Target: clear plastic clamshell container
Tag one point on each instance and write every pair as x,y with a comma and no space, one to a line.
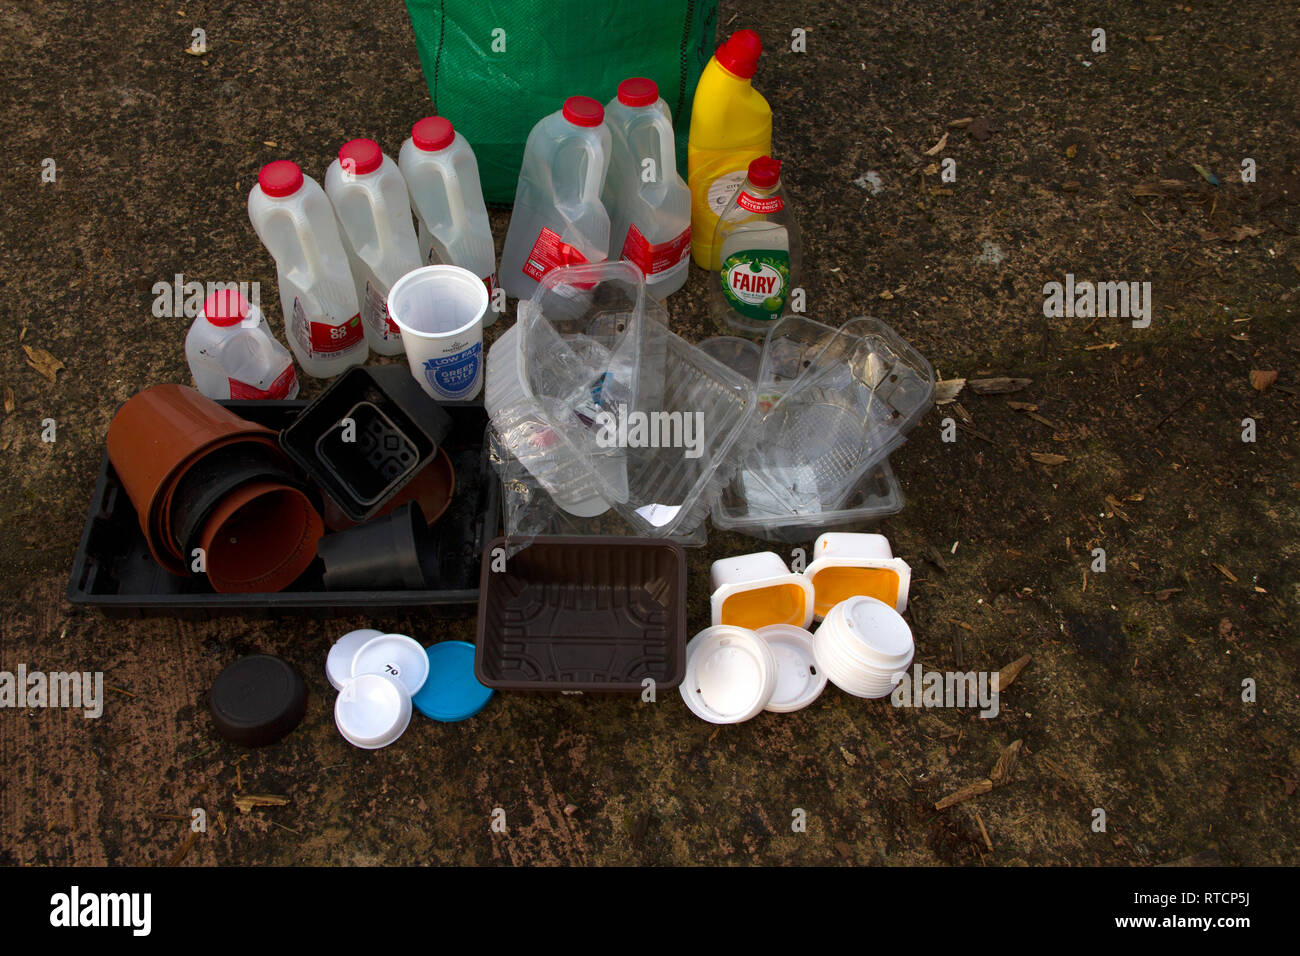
633,414
832,405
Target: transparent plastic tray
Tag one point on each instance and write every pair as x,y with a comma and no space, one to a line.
651,419
876,496
831,407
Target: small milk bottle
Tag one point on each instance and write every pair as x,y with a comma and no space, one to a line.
374,213
232,353
558,218
295,221
648,202
756,253
441,176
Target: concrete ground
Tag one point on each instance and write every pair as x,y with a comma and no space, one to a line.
1095,164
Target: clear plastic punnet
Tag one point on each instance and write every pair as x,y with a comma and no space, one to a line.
604,395
832,405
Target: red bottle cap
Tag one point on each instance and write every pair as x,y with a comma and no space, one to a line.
583,111
638,91
765,172
739,55
433,133
280,178
360,156
226,307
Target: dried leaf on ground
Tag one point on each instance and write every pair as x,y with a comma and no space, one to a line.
1012,671
1164,594
965,793
980,129
937,148
947,389
1000,775
1048,458
998,386
1225,572
44,363
247,801
9,400
1260,379
961,123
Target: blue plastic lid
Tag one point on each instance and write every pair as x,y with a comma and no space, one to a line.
451,691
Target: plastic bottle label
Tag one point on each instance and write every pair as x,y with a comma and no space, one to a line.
280,388
322,338
755,282
723,188
374,312
549,252
456,375
760,204
654,259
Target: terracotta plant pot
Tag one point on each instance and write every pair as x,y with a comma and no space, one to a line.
432,489
261,538
156,435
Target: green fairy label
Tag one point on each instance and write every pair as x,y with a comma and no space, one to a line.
755,282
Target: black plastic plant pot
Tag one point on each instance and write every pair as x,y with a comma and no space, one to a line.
391,552
224,471
366,436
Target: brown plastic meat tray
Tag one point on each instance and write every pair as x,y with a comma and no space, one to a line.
582,613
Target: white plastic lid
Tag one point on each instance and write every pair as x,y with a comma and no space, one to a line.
394,655
730,675
372,711
338,663
799,682
875,631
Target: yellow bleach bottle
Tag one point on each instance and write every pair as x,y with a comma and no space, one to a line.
731,124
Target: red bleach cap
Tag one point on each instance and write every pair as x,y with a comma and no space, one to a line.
280,178
638,91
360,156
765,172
739,55
583,111
433,133
225,307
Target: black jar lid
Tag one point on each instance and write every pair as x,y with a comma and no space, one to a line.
257,700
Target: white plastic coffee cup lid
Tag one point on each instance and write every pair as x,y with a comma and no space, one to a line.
338,663
730,674
799,681
394,655
847,677
875,631
372,711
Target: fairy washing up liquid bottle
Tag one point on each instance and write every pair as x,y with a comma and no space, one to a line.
731,124
648,202
295,221
441,175
756,253
374,213
558,219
